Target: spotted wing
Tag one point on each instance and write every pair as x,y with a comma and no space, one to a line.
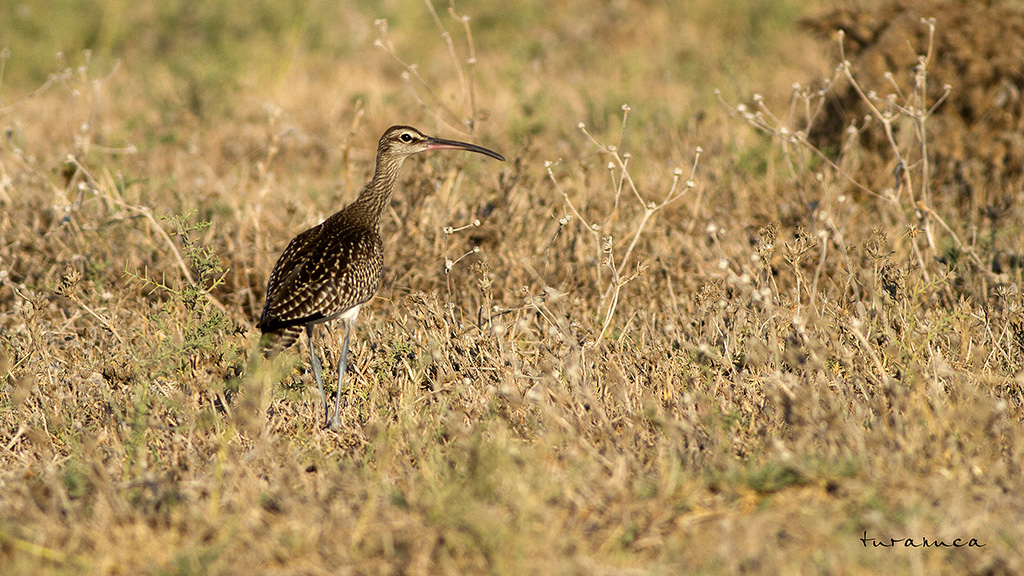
322,273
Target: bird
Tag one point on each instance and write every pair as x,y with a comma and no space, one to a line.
331,270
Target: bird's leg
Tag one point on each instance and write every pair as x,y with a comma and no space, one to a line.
315,363
335,422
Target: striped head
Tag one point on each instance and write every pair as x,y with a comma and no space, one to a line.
404,141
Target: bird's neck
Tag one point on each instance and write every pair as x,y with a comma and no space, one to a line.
377,193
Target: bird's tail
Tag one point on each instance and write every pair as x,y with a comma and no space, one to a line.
278,340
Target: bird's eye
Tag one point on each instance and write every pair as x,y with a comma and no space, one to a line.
405,138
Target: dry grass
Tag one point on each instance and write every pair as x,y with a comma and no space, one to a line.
754,359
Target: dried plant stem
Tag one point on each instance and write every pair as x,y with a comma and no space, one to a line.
439,110
605,245
147,213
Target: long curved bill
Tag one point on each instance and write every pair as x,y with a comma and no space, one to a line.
441,143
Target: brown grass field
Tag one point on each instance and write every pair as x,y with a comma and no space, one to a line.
730,306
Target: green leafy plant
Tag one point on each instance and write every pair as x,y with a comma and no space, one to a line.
205,320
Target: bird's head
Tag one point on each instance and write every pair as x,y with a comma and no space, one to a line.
403,141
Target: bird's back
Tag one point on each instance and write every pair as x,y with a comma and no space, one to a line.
323,272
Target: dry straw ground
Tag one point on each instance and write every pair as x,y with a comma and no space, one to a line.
614,354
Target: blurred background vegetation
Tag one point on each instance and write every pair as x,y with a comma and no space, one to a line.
200,58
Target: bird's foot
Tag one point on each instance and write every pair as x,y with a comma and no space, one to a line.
334,423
